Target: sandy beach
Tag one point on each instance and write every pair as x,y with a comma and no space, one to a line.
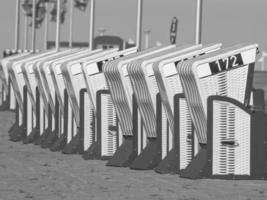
30,172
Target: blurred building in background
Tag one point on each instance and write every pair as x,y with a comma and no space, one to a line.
104,42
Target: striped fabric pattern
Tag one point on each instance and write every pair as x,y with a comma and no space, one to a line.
94,77
29,77
27,72
146,105
231,124
89,123
231,83
17,84
44,64
166,141
120,87
74,83
57,78
40,87
7,90
145,85
74,80
58,83
15,74
168,79
4,69
94,82
186,135
49,87
118,94
109,137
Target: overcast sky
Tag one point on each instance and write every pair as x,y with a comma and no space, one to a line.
226,21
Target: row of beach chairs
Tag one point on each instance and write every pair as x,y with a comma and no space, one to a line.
189,110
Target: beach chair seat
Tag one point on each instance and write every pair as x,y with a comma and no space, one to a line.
227,72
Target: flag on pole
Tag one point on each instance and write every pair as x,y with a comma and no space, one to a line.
40,11
27,6
173,31
81,4
63,11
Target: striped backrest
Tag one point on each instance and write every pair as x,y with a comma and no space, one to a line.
54,74
29,76
74,81
168,79
145,86
120,87
4,70
15,74
227,72
95,83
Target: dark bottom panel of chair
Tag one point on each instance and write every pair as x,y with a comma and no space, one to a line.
4,106
39,140
75,146
50,139
32,136
150,157
197,168
240,177
105,157
59,144
125,154
18,133
92,153
170,164
12,127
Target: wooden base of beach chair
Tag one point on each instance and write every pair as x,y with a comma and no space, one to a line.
197,168
125,154
170,164
18,133
16,119
92,153
150,157
50,139
5,105
32,136
128,150
42,138
59,144
184,141
5,99
75,146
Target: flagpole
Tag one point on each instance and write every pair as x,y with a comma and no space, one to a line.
17,24
46,25
92,24
71,24
58,26
147,33
26,31
139,25
198,35
33,25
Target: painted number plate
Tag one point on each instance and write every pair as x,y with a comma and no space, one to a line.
226,63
